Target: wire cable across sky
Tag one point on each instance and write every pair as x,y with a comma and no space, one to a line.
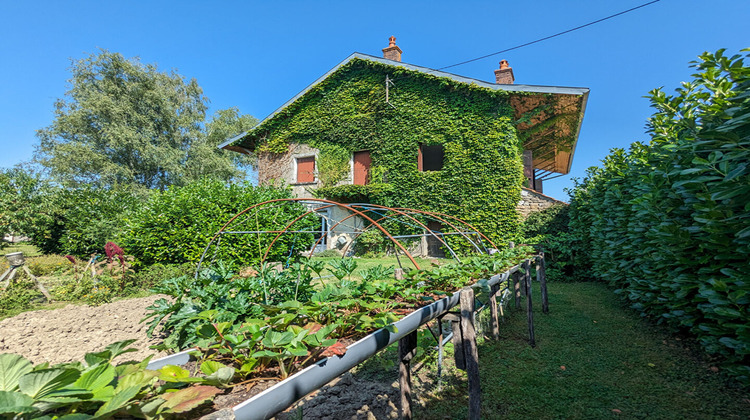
551,36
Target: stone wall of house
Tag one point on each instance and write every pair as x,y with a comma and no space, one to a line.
532,201
279,169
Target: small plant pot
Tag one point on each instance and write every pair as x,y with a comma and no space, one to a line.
15,259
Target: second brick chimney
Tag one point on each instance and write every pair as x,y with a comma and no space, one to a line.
503,75
392,52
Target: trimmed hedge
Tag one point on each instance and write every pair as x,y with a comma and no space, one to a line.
175,225
668,223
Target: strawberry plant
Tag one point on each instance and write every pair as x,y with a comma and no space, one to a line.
96,388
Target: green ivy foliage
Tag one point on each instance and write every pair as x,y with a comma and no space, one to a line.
176,225
482,173
668,223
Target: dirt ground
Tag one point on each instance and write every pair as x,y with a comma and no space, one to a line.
67,334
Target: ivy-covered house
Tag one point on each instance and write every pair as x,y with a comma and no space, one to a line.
382,131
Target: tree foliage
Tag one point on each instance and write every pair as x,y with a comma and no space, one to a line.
123,122
75,221
668,223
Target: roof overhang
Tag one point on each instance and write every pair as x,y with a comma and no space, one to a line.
550,128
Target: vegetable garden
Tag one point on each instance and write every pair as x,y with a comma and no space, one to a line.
262,323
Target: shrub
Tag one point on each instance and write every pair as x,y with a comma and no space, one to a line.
668,223
548,231
150,276
552,220
176,225
63,221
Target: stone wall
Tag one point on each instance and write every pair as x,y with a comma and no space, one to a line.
532,201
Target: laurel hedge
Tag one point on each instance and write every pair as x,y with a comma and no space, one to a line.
668,223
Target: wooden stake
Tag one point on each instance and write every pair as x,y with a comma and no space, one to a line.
494,320
517,289
529,309
8,276
407,349
39,284
458,345
470,352
542,278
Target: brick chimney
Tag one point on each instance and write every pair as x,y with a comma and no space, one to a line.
392,52
503,75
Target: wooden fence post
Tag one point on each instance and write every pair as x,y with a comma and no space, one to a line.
529,309
471,353
542,278
458,345
494,320
517,289
407,348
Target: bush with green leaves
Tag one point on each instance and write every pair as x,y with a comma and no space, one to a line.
75,221
175,226
548,231
668,223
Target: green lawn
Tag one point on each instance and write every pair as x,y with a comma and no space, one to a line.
594,359
365,263
27,249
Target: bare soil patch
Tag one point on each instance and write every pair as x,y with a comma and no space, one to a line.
67,334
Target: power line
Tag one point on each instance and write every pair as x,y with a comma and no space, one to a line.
551,36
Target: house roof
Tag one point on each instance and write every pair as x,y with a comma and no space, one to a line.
536,130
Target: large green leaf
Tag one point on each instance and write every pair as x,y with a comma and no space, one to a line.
139,379
38,384
118,401
172,373
187,399
221,377
15,403
96,377
12,367
210,366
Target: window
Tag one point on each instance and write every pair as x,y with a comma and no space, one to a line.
306,170
430,157
361,167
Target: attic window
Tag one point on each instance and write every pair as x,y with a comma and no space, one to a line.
305,170
430,157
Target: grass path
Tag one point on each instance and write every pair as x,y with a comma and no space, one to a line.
594,359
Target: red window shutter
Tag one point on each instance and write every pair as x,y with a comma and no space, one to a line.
306,170
420,159
362,163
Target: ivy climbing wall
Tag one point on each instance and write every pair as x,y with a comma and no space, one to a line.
481,177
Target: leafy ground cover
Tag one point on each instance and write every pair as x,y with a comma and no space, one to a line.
594,359
268,321
97,388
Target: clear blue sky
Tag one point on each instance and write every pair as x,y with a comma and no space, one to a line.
256,55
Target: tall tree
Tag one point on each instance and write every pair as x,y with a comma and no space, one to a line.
126,123
205,158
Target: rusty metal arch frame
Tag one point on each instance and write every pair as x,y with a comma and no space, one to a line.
400,213
355,209
434,216
218,235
